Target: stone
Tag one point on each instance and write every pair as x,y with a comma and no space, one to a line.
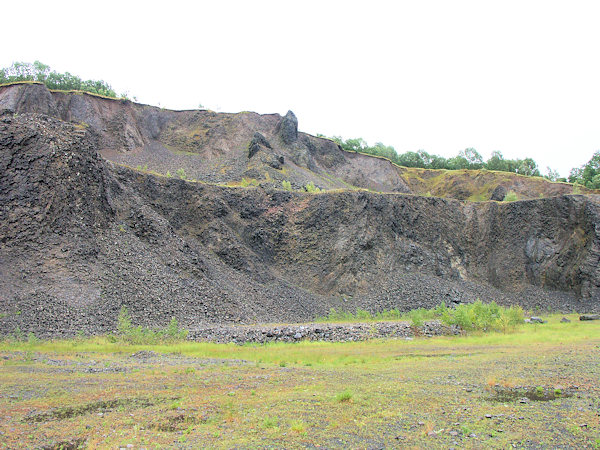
535,319
258,141
589,317
499,193
288,128
565,320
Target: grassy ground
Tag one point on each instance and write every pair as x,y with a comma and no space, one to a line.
537,387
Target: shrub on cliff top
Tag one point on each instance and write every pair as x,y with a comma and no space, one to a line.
22,71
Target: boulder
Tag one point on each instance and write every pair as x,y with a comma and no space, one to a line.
288,128
499,193
274,161
258,141
534,319
589,317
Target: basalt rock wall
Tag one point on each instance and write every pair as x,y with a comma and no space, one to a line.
81,236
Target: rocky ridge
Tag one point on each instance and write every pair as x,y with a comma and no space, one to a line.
81,236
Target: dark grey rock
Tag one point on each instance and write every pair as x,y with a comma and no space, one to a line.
288,128
258,141
535,319
565,320
589,317
499,193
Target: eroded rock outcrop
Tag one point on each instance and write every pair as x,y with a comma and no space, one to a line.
288,128
81,236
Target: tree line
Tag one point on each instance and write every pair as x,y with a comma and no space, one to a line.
22,71
587,175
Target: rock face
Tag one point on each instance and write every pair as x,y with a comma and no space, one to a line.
207,145
81,236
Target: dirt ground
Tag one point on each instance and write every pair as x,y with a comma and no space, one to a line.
449,392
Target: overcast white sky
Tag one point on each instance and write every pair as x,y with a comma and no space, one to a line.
521,77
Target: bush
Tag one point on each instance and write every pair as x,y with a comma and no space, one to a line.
468,316
286,185
511,197
310,187
130,334
180,173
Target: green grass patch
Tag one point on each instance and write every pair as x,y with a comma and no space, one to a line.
468,316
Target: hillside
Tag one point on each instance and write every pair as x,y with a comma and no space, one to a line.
246,147
83,233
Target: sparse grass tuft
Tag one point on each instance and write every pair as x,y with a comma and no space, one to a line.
344,396
270,422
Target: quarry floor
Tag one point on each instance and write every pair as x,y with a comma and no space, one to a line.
537,387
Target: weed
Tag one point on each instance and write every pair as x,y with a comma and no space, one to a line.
539,391
511,197
32,338
286,185
473,316
310,187
128,333
270,422
249,182
298,426
180,173
344,396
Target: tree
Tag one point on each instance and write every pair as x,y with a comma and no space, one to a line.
21,71
588,174
528,167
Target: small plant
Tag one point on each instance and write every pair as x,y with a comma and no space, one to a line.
539,391
130,334
168,175
298,426
270,422
180,173
286,185
310,187
249,182
344,396
18,334
511,197
557,392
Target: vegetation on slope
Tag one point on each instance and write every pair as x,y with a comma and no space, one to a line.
466,159
588,174
41,73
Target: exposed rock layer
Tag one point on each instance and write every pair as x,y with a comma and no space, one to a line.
80,237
